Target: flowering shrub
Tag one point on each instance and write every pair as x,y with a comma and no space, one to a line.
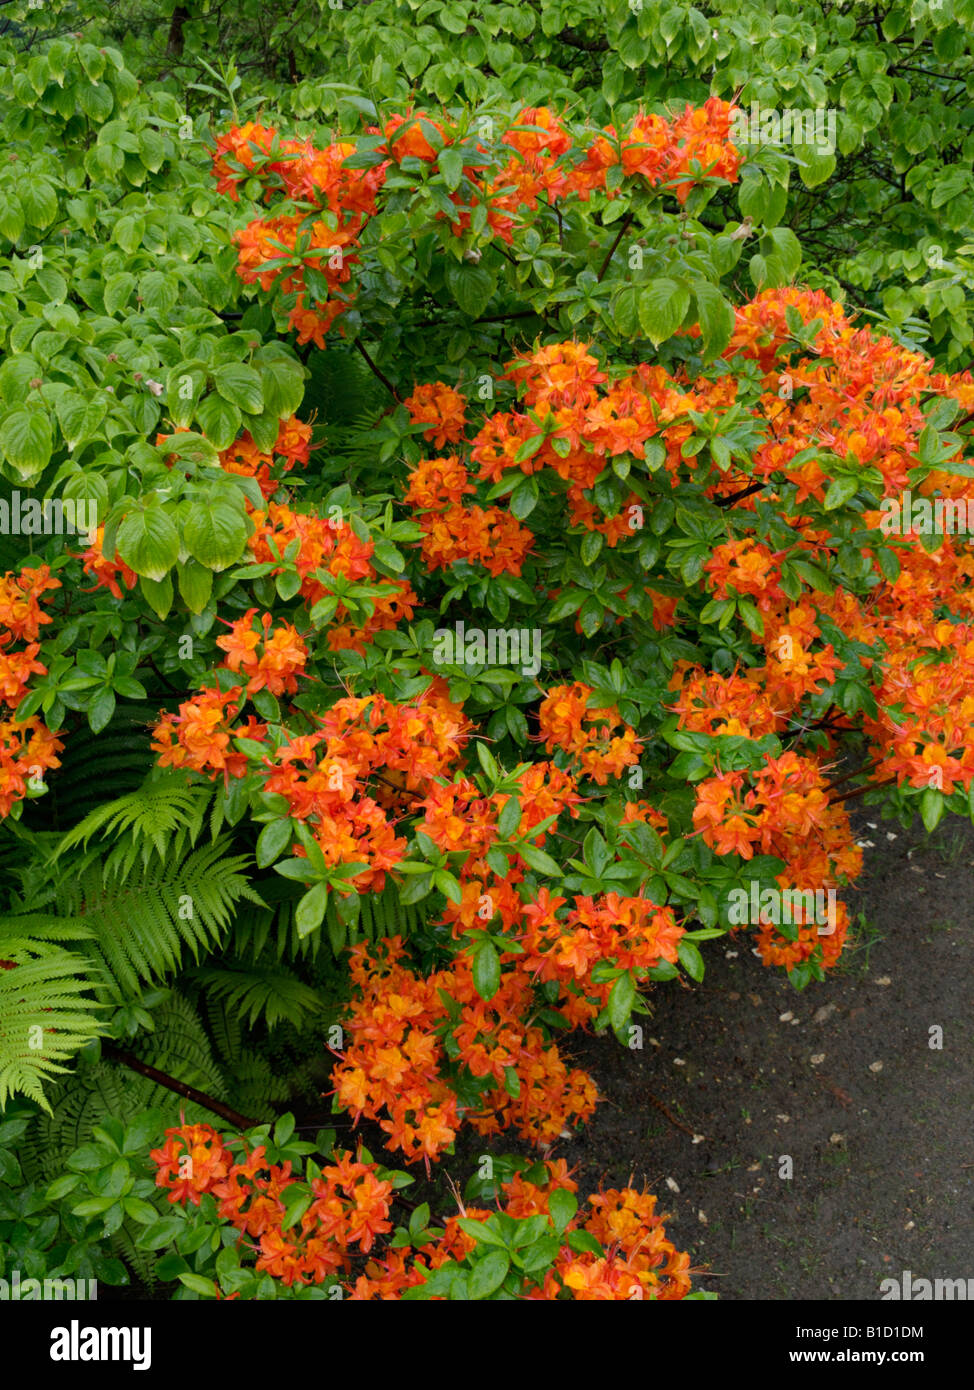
510,693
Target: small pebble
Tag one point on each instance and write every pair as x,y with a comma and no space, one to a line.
875,1066
786,1018
884,980
672,1185
817,1057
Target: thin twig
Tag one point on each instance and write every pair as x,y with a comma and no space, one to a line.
626,224
162,1078
376,371
860,791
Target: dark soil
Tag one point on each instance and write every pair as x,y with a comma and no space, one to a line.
840,1079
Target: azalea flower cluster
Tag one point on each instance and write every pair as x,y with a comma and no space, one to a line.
638,1260
335,204
309,252
199,737
349,1204
21,620
632,933
922,735
348,779
27,747
587,735
783,809
853,393
766,697
573,422
408,1031
291,448
328,550
281,660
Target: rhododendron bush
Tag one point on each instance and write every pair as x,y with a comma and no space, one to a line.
456,734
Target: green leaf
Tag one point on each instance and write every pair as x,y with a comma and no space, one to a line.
472,286
159,291
537,859
100,710
509,818
488,1273
148,542
486,970
662,308
195,585
310,911
691,959
840,491
621,999
219,420
38,199
272,841
128,233
932,805
450,161
11,216
816,164
716,318
25,441
282,381
158,593
162,1233
216,535
205,1287
118,291
562,1206
241,386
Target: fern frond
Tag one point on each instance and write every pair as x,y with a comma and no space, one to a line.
224,1028
142,925
162,816
42,926
46,1016
254,1084
252,992
341,388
